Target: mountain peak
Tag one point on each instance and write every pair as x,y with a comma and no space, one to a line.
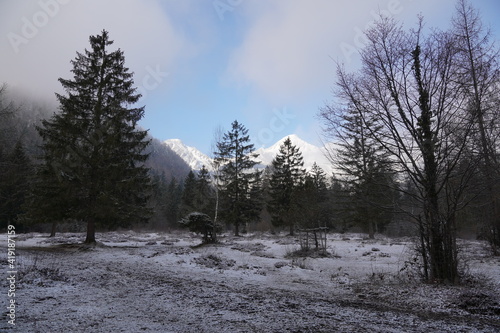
293,138
192,156
173,141
296,141
311,154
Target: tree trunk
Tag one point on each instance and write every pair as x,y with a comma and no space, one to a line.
53,229
90,231
493,223
442,238
216,211
371,229
496,222
236,229
423,248
443,267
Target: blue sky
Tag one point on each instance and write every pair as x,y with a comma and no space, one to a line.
201,64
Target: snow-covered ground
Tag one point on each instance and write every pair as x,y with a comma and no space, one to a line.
165,282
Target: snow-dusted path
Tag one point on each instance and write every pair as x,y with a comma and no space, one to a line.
158,284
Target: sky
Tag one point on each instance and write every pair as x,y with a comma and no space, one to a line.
201,64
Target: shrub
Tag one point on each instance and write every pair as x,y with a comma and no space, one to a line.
203,224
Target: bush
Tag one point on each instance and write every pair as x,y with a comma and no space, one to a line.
203,224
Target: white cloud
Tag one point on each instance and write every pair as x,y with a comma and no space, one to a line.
39,38
286,50
290,48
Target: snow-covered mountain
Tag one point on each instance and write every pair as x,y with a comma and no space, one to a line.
310,153
192,156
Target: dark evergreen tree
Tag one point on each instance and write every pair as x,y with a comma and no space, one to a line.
16,170
188,194
16,167
173,202
340,206
254,204
287,176
7,113
93,154
479,72
363,165
318,178
265,216
197,194
312,204
204,197
158,200
237,177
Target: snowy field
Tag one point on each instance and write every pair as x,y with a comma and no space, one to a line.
166,282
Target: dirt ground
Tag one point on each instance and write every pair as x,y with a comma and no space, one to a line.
155,282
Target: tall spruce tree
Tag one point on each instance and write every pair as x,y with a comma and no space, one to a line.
93,152
479,72
287,177
237,177
362,162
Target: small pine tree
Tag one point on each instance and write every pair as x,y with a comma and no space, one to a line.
93,154
318,178
287,177
237,177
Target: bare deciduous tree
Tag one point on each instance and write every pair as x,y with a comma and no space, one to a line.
408,84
